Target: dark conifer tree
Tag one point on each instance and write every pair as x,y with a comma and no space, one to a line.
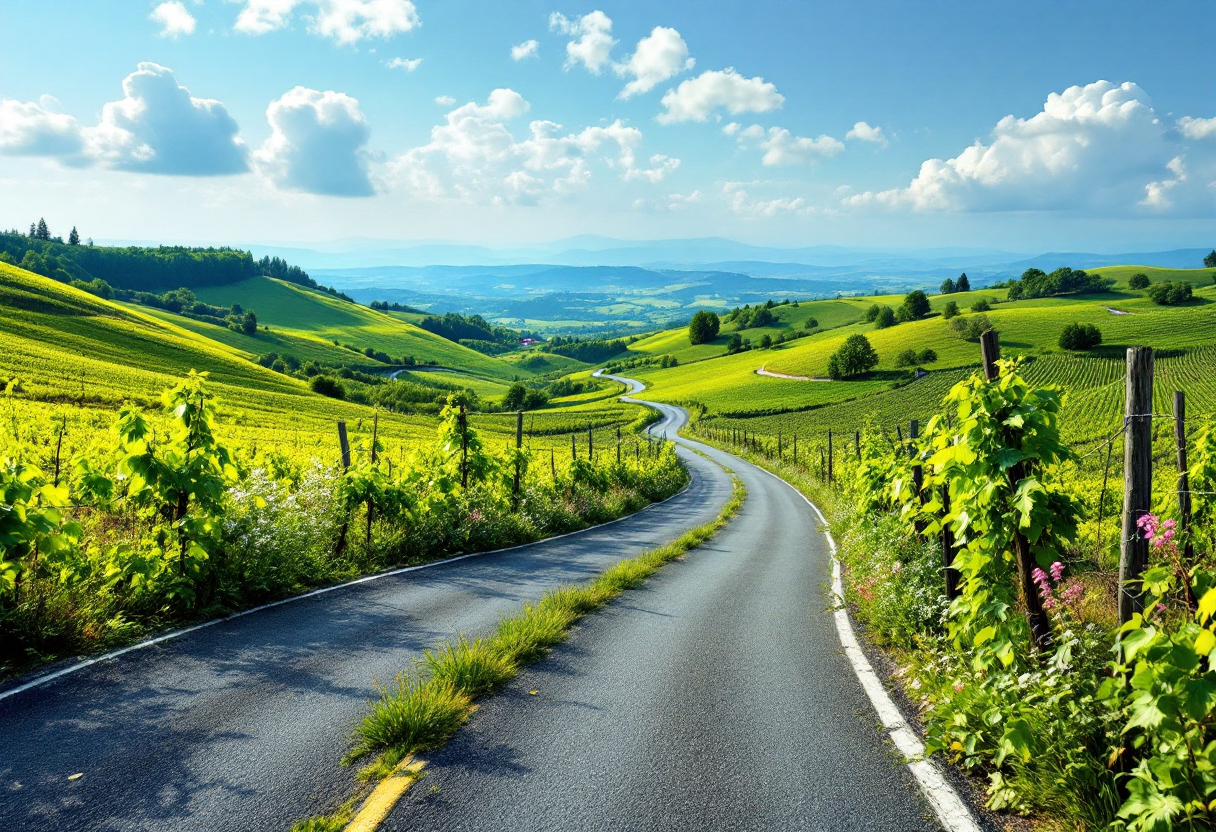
962,284
44,233
74,237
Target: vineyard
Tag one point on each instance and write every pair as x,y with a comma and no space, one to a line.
121,524
1059,641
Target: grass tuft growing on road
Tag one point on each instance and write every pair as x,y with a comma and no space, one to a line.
422,710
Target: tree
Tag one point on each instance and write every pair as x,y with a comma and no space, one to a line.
514,398
1170,293
872,313
766,342
917,305
704,327
811,323
962,284
1210,260
1138,281
970,329
326,386
981,305
885,318
948,287
74,237
1080,337
249,323
854,357
735,344
43,232
950,310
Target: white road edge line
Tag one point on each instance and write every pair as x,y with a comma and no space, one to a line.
951,810
949,807
105,657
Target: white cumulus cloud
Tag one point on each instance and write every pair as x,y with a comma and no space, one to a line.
1197,128
697,98
317,144
783,148
660,55
445,100
744,204
159,127
593,39
345,21
1099,146
475,157
173,18
863,132
39,129
527,49
408,64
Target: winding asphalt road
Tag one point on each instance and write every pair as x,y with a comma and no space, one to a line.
715,697
240,726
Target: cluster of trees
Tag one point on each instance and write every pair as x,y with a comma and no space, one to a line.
912,358
1080,337
590,351
474,330
750,317
949,287
914,308
1209,261
138,268
855,356
281,269
1169,293
385,306
1036,283
703,327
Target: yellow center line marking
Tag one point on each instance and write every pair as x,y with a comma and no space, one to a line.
385,796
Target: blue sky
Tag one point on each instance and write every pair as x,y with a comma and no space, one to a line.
1018,125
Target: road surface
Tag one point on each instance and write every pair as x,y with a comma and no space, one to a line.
240,726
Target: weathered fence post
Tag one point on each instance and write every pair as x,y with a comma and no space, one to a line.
1184,489
462,420
857,443
1036,616
573,448
553,464
831,474
1137,479
519,443
948,549
990,353
344,446
795,449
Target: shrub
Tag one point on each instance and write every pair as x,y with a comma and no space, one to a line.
1170,293
907,358
950,310
872,313
704,327
927,356
811,323
981,305
971,328
947,287
854,357
327,386
766,342
1080,337
885,318
1138,281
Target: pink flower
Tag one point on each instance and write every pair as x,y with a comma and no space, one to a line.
1057,571
958,687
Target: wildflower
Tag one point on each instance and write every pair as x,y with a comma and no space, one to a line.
1057,571
958,687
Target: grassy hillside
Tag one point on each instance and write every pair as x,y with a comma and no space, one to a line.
300,312
1121,274
78,357
731,392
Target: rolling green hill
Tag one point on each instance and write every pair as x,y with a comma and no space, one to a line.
305,314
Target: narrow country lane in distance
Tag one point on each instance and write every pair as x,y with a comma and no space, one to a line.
240,726
715,697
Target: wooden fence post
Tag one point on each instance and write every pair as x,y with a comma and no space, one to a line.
779,448
553,464
857,443
519,443
344,445
573,448
795,449
1036,616
1184,489
1137,479
462,420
